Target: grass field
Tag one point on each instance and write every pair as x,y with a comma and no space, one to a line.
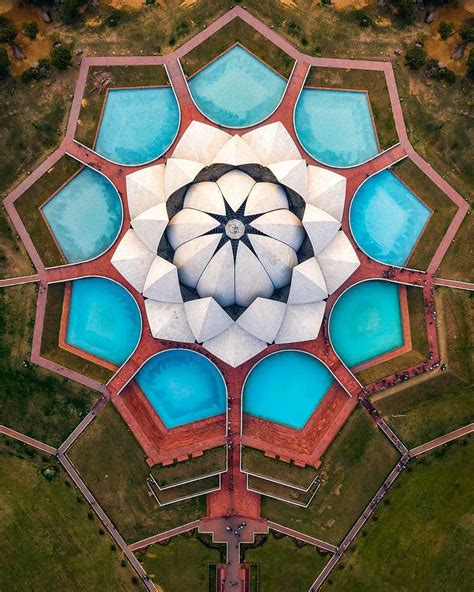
182,564
283,565
50,340
422,540
33,400
47,540
270,488
431,408
28,206
212,461
237,31
113,465
254,461
371,81
443,211
353,468
419,350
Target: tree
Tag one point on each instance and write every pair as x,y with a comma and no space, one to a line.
30,29
61,57
415,57
467,31
69,12
470,64
406,12
445,29
8,30
4,64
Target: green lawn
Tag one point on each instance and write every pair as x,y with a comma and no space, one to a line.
429,409
254,461
47,541
423,539
419,350
33,400
182,564
28,207
113,465
284,565
371,81
168,496
457,263
443,211
353,468
237,31
50,340
282,491
212,461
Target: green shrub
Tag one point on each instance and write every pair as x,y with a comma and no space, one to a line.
467,31
362,19
42,70
69,11
113,19
4,64
8,30
61,57
439,72
406,12
415,57
445,29
30,29
470,64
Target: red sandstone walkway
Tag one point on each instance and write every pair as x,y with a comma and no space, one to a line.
454,435
164,535
27,440
16,281
454,284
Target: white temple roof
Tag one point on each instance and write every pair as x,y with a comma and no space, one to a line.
205,196
320,226
282,225
206,318
145,189
265,197
307,284
301,323
188,224
192,257
272,143
292,174
263,318
251,279
277,258
338,261
217,280
235,346
326,190
235,187
179,173
200,142
162,282
132,259
168,321
236,152
151,224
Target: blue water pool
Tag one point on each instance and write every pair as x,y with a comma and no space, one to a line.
237,89
104,319
335,126
84,216
138,124
286,387
366,322
182,386
387,219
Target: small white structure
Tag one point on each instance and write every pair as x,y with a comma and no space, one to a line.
235,242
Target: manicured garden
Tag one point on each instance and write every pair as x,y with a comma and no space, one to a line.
33,401
211,462
353,468
112,463
426,520
49,538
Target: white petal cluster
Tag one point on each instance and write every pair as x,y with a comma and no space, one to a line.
221,273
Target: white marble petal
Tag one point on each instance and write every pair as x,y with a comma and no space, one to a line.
217,280
205,196
282,225
251,279
277,258
168,321
236,152
292,174
188,224
338,261
179,173
263,318
162,282
150,225
307,284
235,346
132,259
201,142
320,226
265,197
145,189
272,143
301,323
235,186
206,318
191,258
326,190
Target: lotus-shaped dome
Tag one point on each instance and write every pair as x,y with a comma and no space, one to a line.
234,239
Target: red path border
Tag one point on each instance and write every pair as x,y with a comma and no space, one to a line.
233,493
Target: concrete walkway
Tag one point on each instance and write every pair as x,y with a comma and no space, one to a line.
454,435
28,440
454,284
164,535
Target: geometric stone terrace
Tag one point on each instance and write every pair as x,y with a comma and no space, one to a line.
305,447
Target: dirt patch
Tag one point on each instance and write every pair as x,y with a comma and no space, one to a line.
357,4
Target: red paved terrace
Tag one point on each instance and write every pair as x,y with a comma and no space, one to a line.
159,444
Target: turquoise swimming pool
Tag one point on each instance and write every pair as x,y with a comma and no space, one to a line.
104,319
286,387
84,216
138,124
237,89
335,126
366,322
387,218
182,386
